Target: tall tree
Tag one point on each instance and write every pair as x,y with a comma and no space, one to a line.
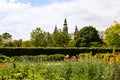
86,36
18,43
61,39
1,40
7,35
112,35
6,40
37,37
48,39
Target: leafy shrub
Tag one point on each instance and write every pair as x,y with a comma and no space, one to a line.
4,59
53,57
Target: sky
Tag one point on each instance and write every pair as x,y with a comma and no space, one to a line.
20,17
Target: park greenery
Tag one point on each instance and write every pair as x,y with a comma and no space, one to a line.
112,35
59,56
61,67
85,37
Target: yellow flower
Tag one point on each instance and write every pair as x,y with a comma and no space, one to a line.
106,57
112,60
67,56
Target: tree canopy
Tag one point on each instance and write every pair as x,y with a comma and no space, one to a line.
86,36
112,35
40,38
61,39
37,37
6,40
6,35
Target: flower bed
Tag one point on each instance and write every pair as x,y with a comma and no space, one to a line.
1,64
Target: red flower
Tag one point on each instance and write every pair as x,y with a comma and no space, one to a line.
1,65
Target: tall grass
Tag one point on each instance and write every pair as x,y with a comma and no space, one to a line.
81,70
86,68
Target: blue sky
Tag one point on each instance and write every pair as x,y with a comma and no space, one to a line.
20,17
42,2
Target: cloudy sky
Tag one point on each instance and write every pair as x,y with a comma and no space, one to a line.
20,17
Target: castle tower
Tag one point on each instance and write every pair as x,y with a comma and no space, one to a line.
55,30
65,28
76,30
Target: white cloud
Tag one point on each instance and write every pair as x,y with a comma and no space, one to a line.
20,19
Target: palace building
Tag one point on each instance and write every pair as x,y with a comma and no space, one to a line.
65,28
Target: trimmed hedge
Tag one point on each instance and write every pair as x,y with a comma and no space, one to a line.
12,51
39,58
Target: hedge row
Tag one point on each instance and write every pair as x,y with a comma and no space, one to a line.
39,58
48,51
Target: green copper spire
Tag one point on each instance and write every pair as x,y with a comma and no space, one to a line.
65,28
65,21
55,30
76,30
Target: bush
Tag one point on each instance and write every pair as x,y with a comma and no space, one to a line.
54,57
4,59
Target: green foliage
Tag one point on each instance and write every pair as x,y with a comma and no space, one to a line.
85,36
39,58
4,59
112,35
17,43
48,51
1,40
26,43
39,38
61,39
94,44
82,70
6,40
7,35
71,43
8,44
48,40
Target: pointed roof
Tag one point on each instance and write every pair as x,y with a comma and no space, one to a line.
65,21
55,26
65,27
76,29
55,30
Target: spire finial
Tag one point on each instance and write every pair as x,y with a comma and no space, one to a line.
55,30
76,27
65,22
65,28
55,26
76,30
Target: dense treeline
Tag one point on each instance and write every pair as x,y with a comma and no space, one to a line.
85,37
40,38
